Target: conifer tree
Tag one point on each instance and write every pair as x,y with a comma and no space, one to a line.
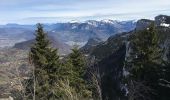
46,66
145,67
77,80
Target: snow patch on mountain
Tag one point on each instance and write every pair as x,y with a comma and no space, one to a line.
165,25
109,21
92,22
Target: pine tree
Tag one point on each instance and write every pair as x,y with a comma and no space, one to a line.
46,66
145,67
77,77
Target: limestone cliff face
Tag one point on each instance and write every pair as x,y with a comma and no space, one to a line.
118,49
111,70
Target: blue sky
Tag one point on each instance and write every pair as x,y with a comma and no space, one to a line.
52,11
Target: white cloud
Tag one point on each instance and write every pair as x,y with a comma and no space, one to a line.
17,10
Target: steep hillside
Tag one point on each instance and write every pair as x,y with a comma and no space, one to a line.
113,52
89,46
62,47
108,47
111,69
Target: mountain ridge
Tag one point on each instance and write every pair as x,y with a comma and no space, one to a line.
112,53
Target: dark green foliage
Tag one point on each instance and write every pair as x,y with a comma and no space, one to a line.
146,51
46,66
49,74
77,63
145,67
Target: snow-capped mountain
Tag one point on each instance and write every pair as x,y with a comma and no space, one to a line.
73,31
82,31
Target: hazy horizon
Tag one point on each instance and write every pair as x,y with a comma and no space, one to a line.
38,11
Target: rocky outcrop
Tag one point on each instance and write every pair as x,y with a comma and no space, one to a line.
143,24
162,20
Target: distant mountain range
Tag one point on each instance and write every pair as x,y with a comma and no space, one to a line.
69,33
102,49
81,32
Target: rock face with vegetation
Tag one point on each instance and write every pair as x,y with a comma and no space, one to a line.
111,70
118,49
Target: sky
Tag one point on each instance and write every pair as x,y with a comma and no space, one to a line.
53,11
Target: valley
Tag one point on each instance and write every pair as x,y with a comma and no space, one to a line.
109,50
